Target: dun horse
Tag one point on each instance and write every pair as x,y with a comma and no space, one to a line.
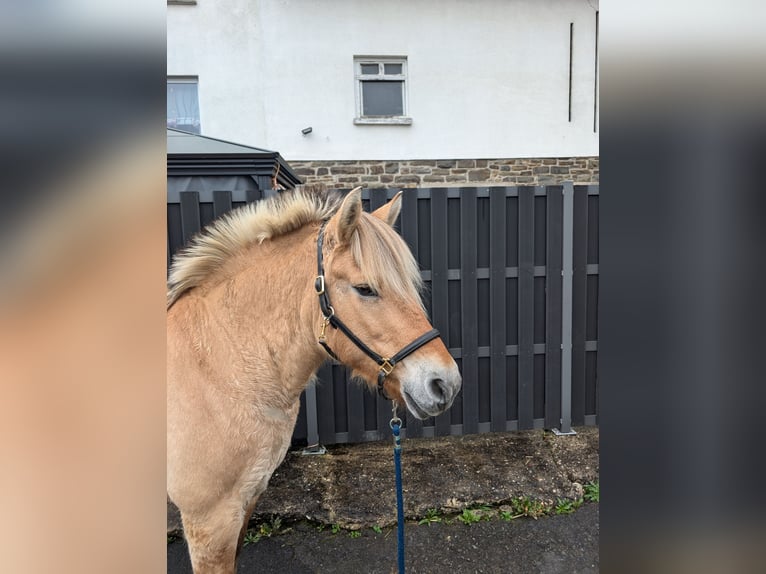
248,304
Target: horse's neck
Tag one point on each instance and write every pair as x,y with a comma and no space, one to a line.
266,313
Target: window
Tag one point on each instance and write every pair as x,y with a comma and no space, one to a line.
183,104
381,90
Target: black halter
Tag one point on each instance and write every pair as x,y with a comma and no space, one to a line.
385,364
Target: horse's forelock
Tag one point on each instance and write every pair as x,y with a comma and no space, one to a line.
385,260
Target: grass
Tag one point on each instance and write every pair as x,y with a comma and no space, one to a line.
432,515
591,492
469,517
529,507
377,529
476,514
566,506
354,534
265,530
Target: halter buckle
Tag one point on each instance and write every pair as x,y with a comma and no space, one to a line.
323,329
319,284
386,366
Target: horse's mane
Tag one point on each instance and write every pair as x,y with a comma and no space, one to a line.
386,264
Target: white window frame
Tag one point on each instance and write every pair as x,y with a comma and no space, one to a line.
359,77
188,80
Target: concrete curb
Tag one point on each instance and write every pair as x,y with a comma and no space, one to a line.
353,485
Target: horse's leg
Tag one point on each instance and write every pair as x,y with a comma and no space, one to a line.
248,513
212,539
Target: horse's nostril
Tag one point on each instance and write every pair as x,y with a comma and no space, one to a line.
439,389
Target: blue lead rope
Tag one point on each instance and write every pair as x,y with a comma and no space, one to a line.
395,427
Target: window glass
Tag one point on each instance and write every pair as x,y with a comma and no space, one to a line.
382,98
183,106
370,69
394,69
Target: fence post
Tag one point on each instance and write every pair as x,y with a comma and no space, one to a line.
567,271
312,422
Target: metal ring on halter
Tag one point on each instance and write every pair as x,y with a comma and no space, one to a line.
395,420
332,313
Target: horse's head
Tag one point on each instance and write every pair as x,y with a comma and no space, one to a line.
374,285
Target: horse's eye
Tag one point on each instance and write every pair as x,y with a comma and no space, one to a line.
365,291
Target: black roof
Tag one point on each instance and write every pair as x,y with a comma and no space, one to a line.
194,154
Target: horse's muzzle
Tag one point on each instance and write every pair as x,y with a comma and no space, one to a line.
430,391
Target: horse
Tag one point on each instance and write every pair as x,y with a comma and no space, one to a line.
255,304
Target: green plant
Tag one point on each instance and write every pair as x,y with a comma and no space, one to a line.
377,529
265,530
320,527
335,528
564,506
432,515
354,534
251,537
469,517
591,492
525,506
172,538
507,516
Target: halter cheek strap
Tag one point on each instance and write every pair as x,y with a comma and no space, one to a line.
385,364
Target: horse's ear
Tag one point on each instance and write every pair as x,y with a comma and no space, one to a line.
390,211
347,217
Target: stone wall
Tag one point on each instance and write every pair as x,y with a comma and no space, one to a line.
448,172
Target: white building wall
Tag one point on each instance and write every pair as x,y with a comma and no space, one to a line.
486,78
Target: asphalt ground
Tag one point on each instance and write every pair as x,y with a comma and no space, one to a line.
351,488
563,544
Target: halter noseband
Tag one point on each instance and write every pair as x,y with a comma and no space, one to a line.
385,364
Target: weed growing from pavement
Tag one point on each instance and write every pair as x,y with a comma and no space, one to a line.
477,514
565,506
591,492
520,507
265,530
469,517
432,515
525,506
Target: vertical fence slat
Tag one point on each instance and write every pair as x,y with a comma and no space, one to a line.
190,217
312,424
409,223
439,290
325,404
566,308
469,320
299,433
526,306
579,302
497,280
553,285
355,401
221,203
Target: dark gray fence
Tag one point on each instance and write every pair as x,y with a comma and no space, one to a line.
512,276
